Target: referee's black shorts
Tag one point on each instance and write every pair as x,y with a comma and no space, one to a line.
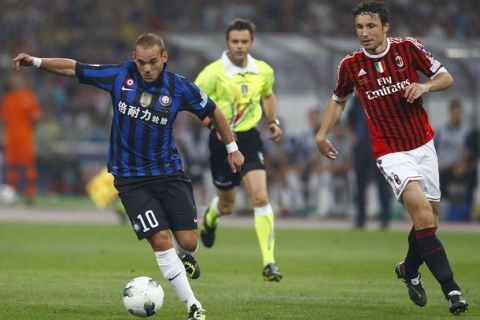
249,144
160,203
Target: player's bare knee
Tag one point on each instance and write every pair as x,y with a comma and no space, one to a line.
188,241
190,245
260,200
423,220
160,241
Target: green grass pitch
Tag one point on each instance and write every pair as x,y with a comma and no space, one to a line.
79,271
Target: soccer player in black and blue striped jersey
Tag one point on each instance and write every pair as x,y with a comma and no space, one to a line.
143,157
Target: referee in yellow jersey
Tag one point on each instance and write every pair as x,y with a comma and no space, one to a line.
237,83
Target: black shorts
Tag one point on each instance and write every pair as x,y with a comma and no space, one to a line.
249,144
154,204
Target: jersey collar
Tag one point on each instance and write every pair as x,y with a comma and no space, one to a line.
231,69
378,55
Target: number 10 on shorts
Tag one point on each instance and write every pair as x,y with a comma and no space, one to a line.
149,222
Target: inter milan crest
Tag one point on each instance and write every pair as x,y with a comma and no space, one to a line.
165,100
145,99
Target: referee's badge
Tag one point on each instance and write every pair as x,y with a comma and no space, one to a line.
244,89
165,100
145,99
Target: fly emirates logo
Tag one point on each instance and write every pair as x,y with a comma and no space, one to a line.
387,87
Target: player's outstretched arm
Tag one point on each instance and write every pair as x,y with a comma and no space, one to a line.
235,157
330,117
60,66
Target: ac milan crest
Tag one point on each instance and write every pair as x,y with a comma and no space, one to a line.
397,180
399,61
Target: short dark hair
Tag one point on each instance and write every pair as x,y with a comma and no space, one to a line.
147,40
241,24
375,6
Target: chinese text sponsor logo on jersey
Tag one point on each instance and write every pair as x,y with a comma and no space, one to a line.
145,99
387,87
141,113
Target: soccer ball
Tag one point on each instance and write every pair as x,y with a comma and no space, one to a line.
143,297
8,195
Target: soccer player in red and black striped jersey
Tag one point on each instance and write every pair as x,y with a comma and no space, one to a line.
143,157
384,73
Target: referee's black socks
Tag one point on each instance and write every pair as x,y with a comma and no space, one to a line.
432,252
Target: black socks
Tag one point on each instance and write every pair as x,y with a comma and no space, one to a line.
432,252
413,259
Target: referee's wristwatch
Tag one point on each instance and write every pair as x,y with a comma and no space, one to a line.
274,122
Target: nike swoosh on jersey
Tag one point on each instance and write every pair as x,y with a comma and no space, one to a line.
172,278
127,89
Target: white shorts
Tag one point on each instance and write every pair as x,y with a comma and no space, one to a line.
418,164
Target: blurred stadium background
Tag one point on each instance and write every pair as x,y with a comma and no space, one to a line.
303,40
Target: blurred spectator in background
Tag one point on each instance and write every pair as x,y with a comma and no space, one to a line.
470,160
365,168
284,163
338,173
312,169
294,198
336,200
193,145
19,111
454,163
49,164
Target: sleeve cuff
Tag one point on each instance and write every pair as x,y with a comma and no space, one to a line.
338,99
441,70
